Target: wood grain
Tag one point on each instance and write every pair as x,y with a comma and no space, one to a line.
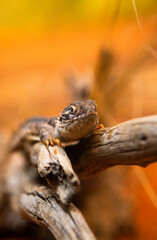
131,143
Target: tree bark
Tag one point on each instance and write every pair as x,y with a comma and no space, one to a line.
131,143
36,202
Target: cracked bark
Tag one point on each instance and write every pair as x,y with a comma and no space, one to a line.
131,143
38,203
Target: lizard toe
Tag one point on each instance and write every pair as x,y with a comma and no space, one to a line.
100,126
47,142
57,142
51,141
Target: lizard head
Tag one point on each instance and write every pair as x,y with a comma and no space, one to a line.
77,120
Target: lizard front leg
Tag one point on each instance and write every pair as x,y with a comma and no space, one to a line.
46,135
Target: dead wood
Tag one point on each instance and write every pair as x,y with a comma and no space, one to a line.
131,143
54,165
38,203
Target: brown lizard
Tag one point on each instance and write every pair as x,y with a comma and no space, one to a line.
76,121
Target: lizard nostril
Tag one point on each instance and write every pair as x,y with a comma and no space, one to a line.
65,117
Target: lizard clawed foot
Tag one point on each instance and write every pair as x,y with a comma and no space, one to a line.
56,141
51,142
100,126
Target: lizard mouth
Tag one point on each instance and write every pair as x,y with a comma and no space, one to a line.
77,120
78,127
67,119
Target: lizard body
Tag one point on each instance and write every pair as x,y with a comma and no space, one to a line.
75,121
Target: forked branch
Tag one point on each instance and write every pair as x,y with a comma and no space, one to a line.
131,143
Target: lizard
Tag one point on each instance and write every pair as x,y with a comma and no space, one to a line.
76,121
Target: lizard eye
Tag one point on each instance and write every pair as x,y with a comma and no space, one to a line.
73,108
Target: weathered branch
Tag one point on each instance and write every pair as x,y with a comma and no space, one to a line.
65,223
54,165
38,203
131,143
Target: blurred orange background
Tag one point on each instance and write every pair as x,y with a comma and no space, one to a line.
41,41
